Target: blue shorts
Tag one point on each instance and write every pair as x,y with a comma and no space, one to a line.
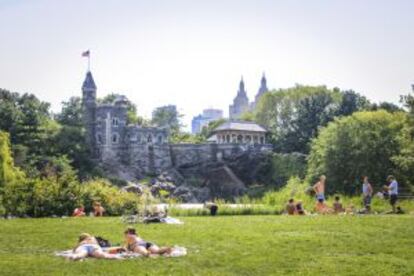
320,196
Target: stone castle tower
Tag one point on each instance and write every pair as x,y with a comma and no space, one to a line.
241,101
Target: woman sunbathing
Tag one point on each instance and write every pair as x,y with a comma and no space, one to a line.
89,247
137,245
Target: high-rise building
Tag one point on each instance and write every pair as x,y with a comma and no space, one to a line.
241,102
205,118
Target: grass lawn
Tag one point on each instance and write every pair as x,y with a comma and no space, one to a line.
228,245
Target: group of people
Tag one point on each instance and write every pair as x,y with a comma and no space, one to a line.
389,191
88,246
98,210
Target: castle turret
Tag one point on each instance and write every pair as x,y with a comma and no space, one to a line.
240,102
89,108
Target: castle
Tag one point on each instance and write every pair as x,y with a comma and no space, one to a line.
133,151
241,102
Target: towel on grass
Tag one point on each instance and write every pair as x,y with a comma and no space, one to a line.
177,251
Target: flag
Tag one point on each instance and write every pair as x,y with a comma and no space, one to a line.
86,53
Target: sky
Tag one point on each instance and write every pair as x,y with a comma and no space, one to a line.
193,53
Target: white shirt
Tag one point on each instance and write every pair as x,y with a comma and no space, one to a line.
393,187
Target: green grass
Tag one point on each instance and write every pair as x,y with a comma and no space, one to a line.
224,245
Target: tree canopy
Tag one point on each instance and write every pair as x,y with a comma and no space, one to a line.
349,148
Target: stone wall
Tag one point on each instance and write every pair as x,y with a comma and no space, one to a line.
190,154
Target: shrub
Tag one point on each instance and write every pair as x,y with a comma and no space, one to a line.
114,200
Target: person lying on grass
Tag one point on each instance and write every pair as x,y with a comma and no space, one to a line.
88,247
136,244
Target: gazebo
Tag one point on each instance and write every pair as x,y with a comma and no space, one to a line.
239,132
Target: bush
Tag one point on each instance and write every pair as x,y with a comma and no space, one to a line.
114,200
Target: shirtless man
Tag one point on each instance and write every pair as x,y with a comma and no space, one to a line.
319,188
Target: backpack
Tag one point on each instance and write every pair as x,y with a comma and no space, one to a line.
103,242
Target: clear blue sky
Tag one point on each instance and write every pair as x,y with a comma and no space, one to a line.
192,53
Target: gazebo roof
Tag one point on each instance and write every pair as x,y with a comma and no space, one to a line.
240,126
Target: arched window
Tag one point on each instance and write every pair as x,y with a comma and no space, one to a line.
149,139
248,139
159,139
233,138
261,140
228,138
115,121
256,139
240,139
115,138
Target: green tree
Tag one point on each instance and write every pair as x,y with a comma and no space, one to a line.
31,128
351,147
168,117
294,115
13,193
70,141
132,116
405,159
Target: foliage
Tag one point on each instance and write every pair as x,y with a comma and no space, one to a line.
12,181
132,116
294,115
168,117
206,131
354,146
30,126
247,245
114,200
185,137
70,141
405,159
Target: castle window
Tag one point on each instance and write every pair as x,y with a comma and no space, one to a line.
239,139
115,139
115,121
99,138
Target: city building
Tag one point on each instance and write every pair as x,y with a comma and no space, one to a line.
241,102
205,118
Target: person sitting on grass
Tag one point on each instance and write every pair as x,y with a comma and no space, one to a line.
98,210
79,212
337,205
299,208
321,207
136,244
291,207
88,247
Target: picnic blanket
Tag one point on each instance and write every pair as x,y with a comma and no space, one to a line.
178,251
132,219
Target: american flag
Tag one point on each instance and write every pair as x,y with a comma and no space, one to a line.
86,53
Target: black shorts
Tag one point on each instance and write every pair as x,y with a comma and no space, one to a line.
393,199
